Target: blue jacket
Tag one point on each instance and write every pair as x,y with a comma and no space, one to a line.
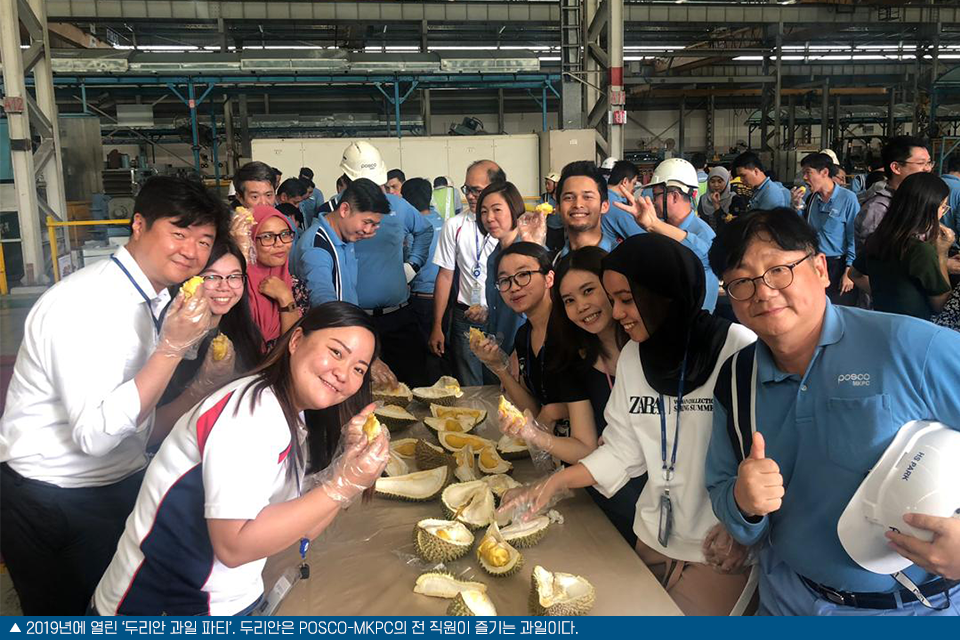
326,264
951,219
871,373
699,238
381,281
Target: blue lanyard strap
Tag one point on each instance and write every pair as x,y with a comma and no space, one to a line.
668,471
156,321
304,541
476,237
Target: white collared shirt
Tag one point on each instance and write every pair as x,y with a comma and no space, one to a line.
459,242
72,406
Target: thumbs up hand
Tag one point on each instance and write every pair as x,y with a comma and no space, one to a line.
759,488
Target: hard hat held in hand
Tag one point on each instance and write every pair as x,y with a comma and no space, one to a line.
675,172
362,160
918,473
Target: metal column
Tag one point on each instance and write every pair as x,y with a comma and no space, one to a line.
245,150
24,112
836,124
572,64
778,101
681,134
791,121
500,114
891,121
617,98
711,124
216,144
426,111
825,116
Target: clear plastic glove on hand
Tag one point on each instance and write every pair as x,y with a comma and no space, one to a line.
241,230
382,376
476,313
528,429
219,365
523,503
357,463
488,351
185,324
533,227
723,553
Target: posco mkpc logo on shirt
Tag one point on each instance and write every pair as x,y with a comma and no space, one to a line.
856,379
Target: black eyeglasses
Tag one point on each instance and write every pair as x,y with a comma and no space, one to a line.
234,280
778,277
270,239
471,191
521,278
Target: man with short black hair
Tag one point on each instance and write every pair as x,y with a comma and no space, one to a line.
951,219
801,417
831,211
767,194
277,177
310,205
395,180
254,183
98,351
902,156
292,191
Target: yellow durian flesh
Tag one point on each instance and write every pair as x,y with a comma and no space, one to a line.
189,288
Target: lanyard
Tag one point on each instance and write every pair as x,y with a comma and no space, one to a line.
668,471
476,236
156,321
304,541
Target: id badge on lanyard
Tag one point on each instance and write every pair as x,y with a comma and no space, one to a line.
666,505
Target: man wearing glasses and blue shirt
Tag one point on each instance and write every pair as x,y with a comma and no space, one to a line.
802,417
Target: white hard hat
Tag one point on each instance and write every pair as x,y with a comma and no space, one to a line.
675,172
553,176
832,154
362,160
608,163
918,473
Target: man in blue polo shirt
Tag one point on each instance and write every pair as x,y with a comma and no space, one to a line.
670,212
324,256
828,390
767,194
951,219
832,211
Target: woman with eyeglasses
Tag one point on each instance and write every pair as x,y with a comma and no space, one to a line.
903,265
659,421
524,276
224,277
277,299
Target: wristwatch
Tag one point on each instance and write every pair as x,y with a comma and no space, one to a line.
290,307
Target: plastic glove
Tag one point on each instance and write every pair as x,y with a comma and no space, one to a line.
529,430
476,314
533,227
185,325
796,197
382,376
214,373
523,503
357,463
488,351
723,553
241,230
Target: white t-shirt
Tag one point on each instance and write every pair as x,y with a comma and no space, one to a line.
222,460
631,448
463,244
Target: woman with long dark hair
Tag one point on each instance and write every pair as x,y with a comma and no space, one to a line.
227,488
903,265
224,277
665,377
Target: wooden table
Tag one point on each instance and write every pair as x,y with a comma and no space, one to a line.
365,563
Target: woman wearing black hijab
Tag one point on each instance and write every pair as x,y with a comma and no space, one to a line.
668,370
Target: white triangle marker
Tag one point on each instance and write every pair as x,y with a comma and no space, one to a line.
15,628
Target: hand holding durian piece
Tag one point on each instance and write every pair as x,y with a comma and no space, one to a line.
523,426
186,322
361,457
219,365
488,351
241,230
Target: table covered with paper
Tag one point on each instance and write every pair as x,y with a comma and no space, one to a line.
366,563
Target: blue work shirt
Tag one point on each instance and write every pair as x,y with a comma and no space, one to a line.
699,238
502,321
770,195
309,207
327,264
381,282
425,279
871,373
833,221
951,219
553,220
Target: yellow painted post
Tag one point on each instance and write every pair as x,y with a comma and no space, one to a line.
52,233
4,290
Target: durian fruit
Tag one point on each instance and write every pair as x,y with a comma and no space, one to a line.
189,288
371,428
507,409
452,441
500,483
559,594
472,603
466,460
440,411
430,456
400,396
445,391
419,486
394,417
396,466
490,461
461,424
441,540
243,211
441,584
496,556
475,336
526,534
471,503
405,448
511,448
219,347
